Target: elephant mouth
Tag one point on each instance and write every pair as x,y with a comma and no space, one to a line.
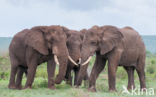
87,61
75,63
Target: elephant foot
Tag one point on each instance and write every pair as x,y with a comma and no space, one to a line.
19,87
92,89
52,88
27,87
112,90
58,80
130,87
12,87
143,89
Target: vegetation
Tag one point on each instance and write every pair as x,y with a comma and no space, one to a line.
63,90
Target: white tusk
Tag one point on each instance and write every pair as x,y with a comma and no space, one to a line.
79,61
87,61
56,60
72,60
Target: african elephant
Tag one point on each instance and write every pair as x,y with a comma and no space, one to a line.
74,44
31,47
120,47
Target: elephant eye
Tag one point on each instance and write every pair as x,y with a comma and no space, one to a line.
67,43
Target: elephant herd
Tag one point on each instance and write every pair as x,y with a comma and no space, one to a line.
72,50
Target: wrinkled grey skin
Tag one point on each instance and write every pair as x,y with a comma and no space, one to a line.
31,47
74,44
121,47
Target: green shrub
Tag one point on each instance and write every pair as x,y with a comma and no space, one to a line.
153,62
4,75
150,69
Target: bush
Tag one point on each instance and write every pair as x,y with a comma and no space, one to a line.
153,62
4,75
150,70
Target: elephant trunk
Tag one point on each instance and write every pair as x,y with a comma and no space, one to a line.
75,56
87,61
86,56
62,70
61,58
81,75
72,61
83,66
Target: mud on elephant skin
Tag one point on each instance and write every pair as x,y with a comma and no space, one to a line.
74,44
31,47
121,47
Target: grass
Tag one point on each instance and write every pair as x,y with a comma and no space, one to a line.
63,90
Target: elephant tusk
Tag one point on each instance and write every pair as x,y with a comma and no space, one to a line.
56,60
79,61
72,60
87,61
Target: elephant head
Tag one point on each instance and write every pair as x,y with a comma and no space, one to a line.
51,40
74,44
100,39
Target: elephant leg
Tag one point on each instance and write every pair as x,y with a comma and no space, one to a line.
19,77
80,74
130,72
112,68
30,76
14,67
86,78
141,73
97,68
12,77
76,71
51,73
68,76
113,61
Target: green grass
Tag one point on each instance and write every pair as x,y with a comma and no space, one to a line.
40,89
63,90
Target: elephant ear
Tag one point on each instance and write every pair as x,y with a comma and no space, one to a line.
111,37
82,33
67,31
35,39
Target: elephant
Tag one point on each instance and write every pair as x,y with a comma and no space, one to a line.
120,47
31,47
74,44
